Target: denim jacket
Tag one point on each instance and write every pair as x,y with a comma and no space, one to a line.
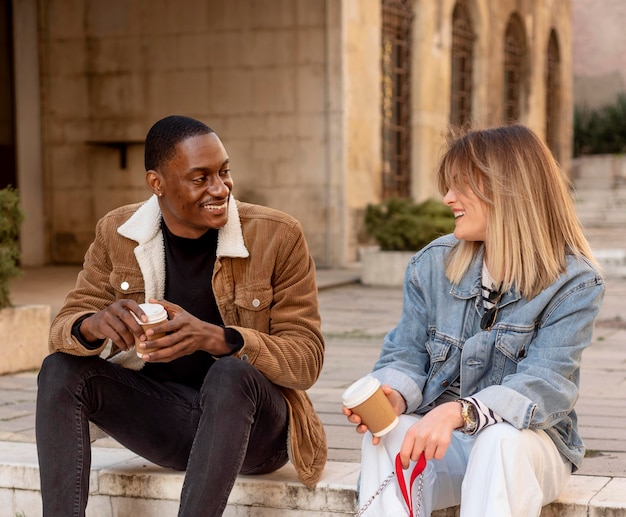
526,368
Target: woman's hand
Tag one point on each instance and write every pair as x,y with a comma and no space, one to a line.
432,434
397,402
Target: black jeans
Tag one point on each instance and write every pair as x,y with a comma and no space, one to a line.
236,423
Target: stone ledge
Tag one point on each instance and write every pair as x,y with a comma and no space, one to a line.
123,483
23,337
384,268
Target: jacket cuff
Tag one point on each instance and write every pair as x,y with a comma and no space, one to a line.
403,384
512,406
234,340
76,333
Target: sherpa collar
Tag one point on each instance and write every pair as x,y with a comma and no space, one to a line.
144,227
145,223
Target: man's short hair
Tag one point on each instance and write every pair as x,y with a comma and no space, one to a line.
165,134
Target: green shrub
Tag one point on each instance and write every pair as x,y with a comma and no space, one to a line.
601,130
403,225
11,216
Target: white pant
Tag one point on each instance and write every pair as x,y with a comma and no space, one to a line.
500,472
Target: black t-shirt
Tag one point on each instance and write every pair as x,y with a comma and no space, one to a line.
189,269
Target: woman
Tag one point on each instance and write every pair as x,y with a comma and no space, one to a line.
484,364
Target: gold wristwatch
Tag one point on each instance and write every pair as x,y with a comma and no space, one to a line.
470,420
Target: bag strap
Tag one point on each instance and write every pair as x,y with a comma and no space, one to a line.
417,470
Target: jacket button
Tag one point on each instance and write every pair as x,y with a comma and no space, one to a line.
445,384
124,286
244,357
256,302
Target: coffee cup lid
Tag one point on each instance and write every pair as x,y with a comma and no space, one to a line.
155,312
360,391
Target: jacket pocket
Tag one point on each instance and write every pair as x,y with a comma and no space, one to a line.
438,347
253,304
514,342
511,347
127,283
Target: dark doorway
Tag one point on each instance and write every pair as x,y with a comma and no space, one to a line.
7,113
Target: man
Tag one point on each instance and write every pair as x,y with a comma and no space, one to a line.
222,392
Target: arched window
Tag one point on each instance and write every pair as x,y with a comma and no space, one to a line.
396,98
462,61
514,68
553,94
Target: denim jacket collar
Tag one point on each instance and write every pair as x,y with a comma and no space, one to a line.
471,283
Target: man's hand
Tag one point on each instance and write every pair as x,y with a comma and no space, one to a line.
115,323
185,334
397,402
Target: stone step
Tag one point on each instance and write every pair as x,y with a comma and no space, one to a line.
598,207
600,200
595,182
610,168
123,484
613,261
24,331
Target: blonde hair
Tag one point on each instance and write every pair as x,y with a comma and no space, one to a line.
531,218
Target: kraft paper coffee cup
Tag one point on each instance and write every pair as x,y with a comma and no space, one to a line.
366,398
156,315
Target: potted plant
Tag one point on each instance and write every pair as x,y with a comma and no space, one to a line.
400,227
23,329
11,216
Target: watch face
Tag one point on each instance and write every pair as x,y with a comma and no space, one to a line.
470,418
471,412
468,412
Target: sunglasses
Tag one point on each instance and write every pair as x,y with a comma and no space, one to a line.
489,318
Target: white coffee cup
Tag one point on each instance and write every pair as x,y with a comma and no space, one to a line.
156,314
366,398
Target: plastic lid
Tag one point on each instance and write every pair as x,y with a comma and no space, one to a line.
360,391
156,312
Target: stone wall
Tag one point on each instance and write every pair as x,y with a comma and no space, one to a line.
598,47
431,74
293,88
256,72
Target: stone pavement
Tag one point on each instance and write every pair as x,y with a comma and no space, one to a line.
355,318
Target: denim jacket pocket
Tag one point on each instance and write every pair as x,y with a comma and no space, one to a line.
438,347
512,346
253,302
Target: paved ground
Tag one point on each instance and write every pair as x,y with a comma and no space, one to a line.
355,318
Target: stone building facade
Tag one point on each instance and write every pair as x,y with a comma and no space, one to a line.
323,105
599,40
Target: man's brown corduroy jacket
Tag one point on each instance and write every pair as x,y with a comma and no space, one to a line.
264,285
